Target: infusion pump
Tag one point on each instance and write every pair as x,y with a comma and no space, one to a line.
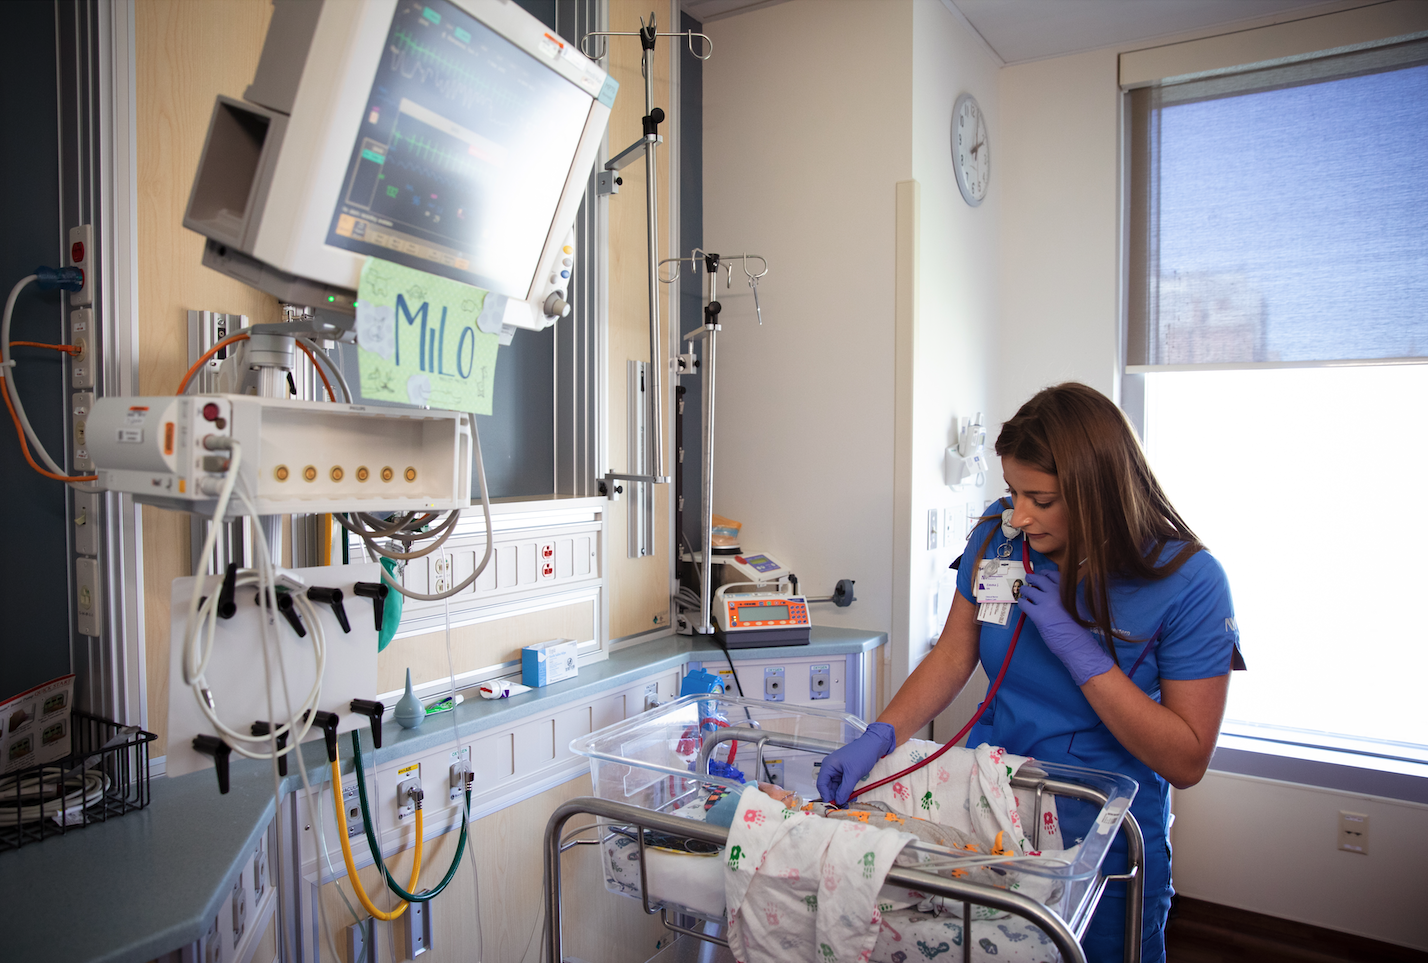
295,456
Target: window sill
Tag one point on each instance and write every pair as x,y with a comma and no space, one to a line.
1336,769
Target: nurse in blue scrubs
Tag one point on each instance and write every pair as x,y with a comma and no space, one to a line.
1110,559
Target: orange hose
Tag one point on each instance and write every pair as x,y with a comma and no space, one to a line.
25,447
206,355
320,373
67,348
243,337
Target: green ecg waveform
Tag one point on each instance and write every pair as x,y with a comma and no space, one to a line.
477,87
427,151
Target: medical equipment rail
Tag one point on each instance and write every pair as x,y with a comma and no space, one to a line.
1064,934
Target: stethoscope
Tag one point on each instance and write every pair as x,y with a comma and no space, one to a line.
1004,550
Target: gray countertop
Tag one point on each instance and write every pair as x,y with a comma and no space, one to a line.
142,885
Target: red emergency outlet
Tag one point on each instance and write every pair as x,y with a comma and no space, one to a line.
547,551
547,570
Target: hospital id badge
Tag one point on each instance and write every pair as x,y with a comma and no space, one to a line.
999,580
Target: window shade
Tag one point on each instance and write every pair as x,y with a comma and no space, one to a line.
1280,215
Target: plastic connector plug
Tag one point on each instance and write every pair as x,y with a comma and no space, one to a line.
288,607
332,597
64,278
327,721
261,728
220,750
373,711
377,592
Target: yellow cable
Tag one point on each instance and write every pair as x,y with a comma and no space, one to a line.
351,866
325,536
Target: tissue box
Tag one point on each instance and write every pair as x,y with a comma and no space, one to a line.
547,662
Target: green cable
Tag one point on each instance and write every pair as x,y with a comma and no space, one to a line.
392,884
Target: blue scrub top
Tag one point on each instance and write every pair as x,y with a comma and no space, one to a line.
1178,627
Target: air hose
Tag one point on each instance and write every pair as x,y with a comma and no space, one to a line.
357,887
392,884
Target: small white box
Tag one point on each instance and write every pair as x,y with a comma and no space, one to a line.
547,662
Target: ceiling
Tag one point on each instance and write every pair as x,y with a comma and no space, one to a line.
1018,31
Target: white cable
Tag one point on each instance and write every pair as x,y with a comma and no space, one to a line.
195,655
91,788
490,537
235,460
9,363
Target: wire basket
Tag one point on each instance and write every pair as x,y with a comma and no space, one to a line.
96,782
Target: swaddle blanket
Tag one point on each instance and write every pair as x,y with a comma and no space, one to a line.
969,791
798,887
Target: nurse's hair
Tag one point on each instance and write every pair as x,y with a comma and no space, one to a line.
1120,521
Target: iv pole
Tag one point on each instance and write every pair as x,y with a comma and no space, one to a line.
654,464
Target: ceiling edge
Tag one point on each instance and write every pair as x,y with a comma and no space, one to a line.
953,9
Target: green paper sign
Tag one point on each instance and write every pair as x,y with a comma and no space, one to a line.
418,341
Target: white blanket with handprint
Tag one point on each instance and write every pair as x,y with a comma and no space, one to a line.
802,888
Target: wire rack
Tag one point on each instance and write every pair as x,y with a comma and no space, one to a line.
105,776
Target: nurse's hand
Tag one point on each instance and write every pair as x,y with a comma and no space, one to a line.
1073,643
843,767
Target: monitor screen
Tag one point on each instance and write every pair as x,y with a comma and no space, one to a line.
462,154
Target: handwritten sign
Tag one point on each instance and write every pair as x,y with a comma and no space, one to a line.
418,340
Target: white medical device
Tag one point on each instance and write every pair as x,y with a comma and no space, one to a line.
745,620
298,456
452,136
755,569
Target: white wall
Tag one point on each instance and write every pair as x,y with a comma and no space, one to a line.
807,116
1272,847
1059,238
958,301
1263,845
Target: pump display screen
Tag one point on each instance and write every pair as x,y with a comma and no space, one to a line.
463,151
764,613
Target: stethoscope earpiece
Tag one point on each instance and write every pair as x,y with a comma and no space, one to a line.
1008,529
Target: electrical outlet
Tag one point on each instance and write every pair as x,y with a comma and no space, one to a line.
88,611
81,403
933,524
1354,832
953,520
239,903
86,523
773,683
651,696
81,255
820,681
356,825
81,333
260,872
773,770
461,774
212,945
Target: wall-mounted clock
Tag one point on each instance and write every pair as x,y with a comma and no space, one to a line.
971,157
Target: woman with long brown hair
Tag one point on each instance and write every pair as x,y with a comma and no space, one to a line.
1111,559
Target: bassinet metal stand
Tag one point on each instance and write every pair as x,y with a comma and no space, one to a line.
1063,935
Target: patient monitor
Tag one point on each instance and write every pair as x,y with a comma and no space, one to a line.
452,136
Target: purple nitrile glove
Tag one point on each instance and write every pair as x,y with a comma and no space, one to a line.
1073,643
843,767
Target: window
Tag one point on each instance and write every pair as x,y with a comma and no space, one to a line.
1278,313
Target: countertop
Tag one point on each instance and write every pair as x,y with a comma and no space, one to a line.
145,884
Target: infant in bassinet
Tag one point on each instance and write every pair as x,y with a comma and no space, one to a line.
914,926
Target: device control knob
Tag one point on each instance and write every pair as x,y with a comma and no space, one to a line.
555,306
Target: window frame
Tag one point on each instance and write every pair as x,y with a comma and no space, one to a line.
1315,759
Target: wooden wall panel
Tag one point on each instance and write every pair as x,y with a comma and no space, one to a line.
639,588
186,54
480,645
507,845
